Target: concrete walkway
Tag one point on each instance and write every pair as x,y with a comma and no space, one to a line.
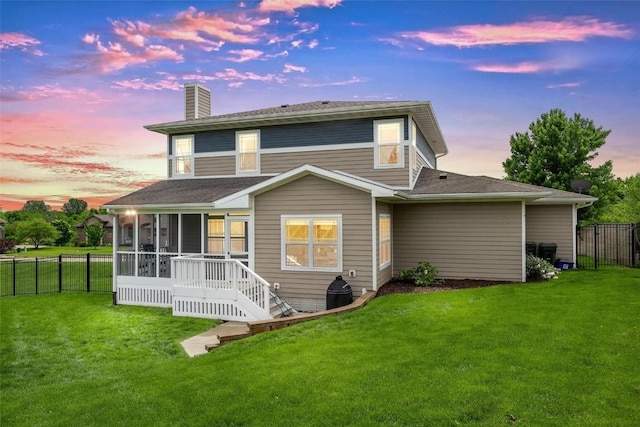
202,343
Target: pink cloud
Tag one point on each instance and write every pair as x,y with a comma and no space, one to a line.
189,23
55,91
291,5
244,55
571,29
19,41
234,76
521,68
114,56
289,68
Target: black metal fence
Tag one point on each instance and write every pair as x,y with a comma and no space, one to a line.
611,245
64,273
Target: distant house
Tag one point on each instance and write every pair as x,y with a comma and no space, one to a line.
2,222
284,199
107,224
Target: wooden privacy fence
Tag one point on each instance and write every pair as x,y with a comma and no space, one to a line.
64,273
602,245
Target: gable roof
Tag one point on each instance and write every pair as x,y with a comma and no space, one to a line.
317,111
438,185
376,189
174,193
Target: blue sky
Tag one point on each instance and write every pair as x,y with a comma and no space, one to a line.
80,79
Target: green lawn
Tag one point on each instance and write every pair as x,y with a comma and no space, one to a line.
562,353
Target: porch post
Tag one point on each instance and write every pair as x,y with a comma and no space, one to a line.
115,242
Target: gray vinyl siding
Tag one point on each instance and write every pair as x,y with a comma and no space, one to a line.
386,273
190,102
311,195
357,161
425,149
294,135
552,224
214,166
462,240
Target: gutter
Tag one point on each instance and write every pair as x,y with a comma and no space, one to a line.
472,196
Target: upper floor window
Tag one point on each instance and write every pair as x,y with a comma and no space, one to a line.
388,138
248,151
183,155
312,242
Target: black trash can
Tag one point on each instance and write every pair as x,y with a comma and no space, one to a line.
547,251
532,248
339,293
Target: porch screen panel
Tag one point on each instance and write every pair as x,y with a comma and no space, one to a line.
168,232
146,232
191,233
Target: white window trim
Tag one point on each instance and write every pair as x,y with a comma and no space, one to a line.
248,132
175,157
414,145
380,241
283,241
376,145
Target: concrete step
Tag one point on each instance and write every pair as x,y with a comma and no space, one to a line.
221,334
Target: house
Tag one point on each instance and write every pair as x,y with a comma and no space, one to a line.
107,224
282,200
2,228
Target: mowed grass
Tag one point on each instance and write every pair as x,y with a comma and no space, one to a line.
562,353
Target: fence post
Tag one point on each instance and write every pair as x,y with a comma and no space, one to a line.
36,276
88,272
595,246
60,273
14,276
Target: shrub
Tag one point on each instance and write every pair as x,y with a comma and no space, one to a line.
423,275
540,269
6,245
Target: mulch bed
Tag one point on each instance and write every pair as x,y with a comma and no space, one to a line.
400,287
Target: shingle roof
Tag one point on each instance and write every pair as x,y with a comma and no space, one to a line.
170,192
430,183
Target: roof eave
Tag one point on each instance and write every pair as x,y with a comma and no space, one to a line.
157,207
474,196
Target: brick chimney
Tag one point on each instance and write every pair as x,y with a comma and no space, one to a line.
197,101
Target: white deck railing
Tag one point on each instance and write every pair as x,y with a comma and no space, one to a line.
219,289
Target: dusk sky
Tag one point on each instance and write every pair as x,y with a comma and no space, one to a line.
79,80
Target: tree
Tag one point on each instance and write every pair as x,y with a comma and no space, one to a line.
37,231
557,150
36,206
94,233
65,232
74,207
628,208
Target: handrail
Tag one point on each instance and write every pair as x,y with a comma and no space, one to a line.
227,278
